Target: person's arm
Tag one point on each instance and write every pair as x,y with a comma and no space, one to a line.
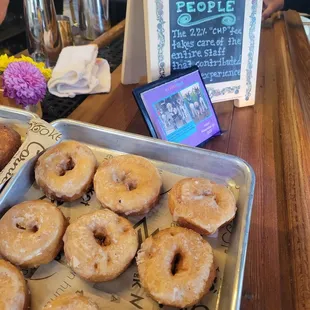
3,8
271,6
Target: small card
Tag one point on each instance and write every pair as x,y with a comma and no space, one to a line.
178,108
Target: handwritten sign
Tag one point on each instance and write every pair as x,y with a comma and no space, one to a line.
208,35
221,37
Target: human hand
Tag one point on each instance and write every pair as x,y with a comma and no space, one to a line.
271,6
3,8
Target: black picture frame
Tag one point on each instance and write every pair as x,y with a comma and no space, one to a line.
137,93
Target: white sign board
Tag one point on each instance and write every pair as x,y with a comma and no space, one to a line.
221,37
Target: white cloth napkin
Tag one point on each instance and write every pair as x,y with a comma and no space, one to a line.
79,71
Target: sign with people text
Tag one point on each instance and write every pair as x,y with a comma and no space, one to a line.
221,37
208,35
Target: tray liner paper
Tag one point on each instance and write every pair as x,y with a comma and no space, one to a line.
39,136
125,292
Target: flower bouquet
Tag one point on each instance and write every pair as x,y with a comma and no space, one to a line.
24,81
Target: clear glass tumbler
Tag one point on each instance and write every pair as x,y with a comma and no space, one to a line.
94,18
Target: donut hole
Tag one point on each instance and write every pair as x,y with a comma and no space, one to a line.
35,228
31,228
131,185
208,192
19,226
101,238
65,166
122,177
175,264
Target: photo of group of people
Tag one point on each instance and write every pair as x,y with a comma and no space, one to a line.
181,108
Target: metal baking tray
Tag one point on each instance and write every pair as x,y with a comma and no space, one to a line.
16,114
18,119
179,159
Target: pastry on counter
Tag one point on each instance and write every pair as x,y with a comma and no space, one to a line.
201,205
128,184
99,246
31,233
176,267
75,301
65,171
13,288
10,142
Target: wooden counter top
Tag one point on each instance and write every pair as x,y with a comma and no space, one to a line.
274,138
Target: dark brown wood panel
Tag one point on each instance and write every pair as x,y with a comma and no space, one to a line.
294,112
121,111
252,138
137,125
224,111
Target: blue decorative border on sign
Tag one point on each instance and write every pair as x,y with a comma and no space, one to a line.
223,91
160,37
227,19
249,69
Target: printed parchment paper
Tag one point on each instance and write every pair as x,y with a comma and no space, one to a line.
125,292
36,137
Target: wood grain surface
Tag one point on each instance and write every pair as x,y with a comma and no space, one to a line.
294,111
253,137
112,34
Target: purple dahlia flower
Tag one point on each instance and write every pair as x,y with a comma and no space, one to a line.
24,82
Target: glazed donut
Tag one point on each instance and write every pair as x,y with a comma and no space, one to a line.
176,267
31,233
99,246
127,184
201,205
65,171
10,143
13,288
75,301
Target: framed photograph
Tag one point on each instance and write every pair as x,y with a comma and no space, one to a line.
178,108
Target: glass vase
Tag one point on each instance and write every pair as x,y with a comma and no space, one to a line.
36,108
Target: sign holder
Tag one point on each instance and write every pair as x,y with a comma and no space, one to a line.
151,25
178,109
